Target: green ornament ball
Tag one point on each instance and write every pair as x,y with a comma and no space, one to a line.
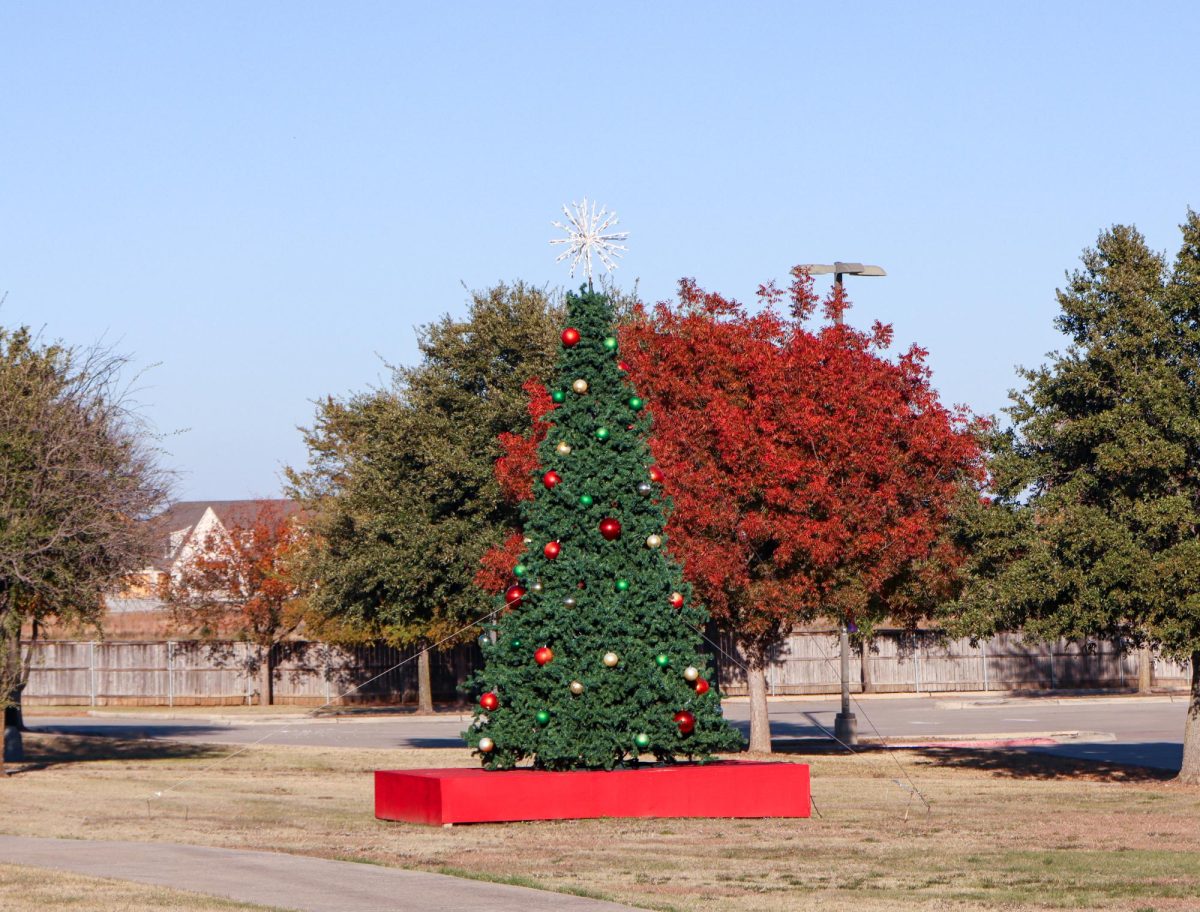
622,585
610,343
603,433
558,396
662,659
516,644
520,570
636,403
543,717
586,500
642,740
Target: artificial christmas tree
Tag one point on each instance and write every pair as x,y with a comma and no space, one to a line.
595,661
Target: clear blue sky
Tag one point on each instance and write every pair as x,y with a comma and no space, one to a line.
266,198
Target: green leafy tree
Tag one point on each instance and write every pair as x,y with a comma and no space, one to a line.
1091,525
399,487
597,658
77,476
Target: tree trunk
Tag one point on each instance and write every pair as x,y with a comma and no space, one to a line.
424,682
1145,669
266,676
868,683
14,725
14,682
760,721
1189,774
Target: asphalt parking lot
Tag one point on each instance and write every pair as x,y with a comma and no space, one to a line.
1144,731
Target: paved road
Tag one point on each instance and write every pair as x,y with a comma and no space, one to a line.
1146,732
289,881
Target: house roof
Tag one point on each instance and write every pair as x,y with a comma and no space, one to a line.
174,526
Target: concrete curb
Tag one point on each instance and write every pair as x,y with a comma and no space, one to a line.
289,881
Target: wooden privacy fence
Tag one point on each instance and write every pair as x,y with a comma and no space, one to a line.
898,661
179,673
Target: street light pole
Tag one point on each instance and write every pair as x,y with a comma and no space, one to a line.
845,724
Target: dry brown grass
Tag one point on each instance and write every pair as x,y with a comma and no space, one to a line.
1021,834
26,889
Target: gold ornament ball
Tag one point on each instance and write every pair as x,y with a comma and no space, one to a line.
580,386
611,659
576,688
563,448
691,673
486,745
654,541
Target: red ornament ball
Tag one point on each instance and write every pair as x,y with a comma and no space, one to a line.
489,701
701,686
656,473
570,336
551,478
686,722
513,596
676,600
552,549
622,366
610,528
543,655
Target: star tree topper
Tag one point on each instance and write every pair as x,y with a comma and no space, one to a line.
587,232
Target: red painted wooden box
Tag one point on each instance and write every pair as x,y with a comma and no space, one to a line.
725,789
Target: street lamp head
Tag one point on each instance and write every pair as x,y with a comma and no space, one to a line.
843,269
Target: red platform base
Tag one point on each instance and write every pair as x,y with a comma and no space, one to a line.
727,789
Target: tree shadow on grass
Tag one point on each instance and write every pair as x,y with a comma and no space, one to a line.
1025,764
1014,762
43,751
418,743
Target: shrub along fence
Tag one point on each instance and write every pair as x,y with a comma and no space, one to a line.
181,673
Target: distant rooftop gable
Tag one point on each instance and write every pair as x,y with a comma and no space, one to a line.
173,527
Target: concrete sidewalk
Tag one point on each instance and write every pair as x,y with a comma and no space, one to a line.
288,881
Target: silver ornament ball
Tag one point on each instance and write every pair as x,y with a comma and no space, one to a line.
576,687
569,601
486,745
691,673
580,386
563,448
645,488
611,659
536,587
654,541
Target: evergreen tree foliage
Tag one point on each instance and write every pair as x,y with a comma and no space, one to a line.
1091,528
399,487
598,595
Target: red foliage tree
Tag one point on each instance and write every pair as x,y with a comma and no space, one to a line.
514,472
241,581
811,476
